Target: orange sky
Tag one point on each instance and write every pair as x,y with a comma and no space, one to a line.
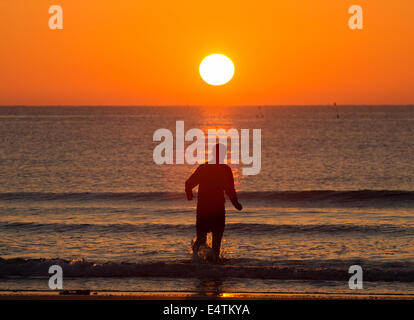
148,52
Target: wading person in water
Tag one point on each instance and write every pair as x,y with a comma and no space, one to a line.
213,180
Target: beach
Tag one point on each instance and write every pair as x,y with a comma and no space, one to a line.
36,295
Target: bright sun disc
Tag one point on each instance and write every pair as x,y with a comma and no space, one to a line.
216,69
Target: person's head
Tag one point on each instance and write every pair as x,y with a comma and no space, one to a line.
218,154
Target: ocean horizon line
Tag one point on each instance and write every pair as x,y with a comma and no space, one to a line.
203,106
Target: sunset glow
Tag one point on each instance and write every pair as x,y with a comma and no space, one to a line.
148,53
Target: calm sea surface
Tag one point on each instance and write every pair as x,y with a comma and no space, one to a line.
79,188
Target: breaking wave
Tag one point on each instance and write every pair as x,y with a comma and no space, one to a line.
235,228
360,197
233,268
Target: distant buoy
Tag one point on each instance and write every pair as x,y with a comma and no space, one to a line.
337,113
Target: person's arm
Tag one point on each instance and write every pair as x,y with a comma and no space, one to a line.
231,191
191,182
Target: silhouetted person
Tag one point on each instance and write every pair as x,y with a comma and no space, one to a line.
213,180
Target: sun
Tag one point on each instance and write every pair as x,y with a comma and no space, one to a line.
216,69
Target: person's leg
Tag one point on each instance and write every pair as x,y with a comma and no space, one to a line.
218,234
201,239
201,234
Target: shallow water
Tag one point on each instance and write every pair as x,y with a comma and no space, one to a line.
80,189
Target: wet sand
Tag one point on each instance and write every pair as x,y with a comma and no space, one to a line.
111,295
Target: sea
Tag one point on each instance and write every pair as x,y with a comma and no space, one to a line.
79,188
